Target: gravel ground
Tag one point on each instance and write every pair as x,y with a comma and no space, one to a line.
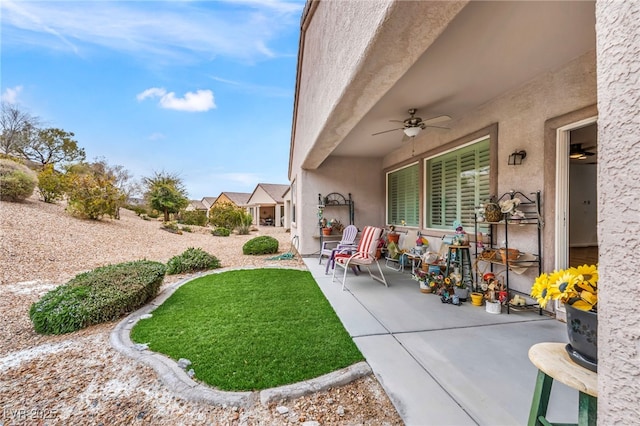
78,378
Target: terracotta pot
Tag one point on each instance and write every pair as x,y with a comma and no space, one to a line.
326,231
393,238
582,327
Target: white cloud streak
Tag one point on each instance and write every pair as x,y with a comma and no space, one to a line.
10,95
198,101
156,31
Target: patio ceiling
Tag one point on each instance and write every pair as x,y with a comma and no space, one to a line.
488,49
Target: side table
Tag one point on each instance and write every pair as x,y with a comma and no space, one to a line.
554,363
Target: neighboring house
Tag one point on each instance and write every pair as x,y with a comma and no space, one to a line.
207,202
557,80
238,199
196,205
266,204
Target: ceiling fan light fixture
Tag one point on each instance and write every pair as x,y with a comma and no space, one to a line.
412,131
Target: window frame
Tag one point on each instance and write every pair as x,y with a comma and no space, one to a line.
418,193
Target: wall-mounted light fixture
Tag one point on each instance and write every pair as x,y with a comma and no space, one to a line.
412,131
516,158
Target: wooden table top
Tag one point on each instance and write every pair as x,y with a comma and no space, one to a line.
554,361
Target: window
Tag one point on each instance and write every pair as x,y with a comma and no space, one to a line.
293,201
455,183
403,196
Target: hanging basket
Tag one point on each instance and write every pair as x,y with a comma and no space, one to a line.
492,212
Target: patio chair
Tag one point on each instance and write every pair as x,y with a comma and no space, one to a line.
348,241
405,244
365,255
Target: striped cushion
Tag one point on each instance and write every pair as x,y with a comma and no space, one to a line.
366,247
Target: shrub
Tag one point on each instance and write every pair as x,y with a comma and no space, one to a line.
171,227
191,260
52,184
17,181
261,245
245,224
102,295
221,232
186,229
194,217
92,192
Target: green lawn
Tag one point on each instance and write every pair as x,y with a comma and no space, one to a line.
250,329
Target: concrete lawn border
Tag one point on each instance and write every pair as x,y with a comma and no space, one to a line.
179,382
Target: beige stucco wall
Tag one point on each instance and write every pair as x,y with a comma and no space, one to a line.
618,46
521,115
359,176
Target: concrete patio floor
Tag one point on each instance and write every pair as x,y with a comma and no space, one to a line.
442,364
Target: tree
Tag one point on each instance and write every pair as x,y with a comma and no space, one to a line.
14,123
166,193
50,146
122,179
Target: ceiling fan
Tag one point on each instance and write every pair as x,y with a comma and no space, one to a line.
577,152
413,125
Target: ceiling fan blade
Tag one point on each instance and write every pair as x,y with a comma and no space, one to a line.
438,119
437,127
396,121
386,131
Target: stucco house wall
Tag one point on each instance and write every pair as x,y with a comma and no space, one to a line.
618,46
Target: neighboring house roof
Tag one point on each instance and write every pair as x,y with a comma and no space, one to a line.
238,198
274,190
208,201
197,205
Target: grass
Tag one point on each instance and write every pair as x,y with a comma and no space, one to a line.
250,329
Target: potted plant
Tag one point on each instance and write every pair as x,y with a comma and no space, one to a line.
577,288
392,235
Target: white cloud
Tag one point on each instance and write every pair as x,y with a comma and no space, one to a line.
154,91
163,31
156,136
198,101
10,95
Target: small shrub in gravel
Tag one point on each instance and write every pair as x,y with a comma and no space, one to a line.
101,295
221,232
192,260
260,245
17,181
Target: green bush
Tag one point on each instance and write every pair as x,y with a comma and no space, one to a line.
102,295
186,229
194,217
261,245
192,260
52,184
221,232
17,181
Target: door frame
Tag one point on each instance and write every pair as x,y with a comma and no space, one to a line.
561,243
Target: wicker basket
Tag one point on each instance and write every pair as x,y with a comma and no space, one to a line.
509,254
492,212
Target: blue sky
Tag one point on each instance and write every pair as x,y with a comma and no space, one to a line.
202,89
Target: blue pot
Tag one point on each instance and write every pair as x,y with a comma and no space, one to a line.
582,328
